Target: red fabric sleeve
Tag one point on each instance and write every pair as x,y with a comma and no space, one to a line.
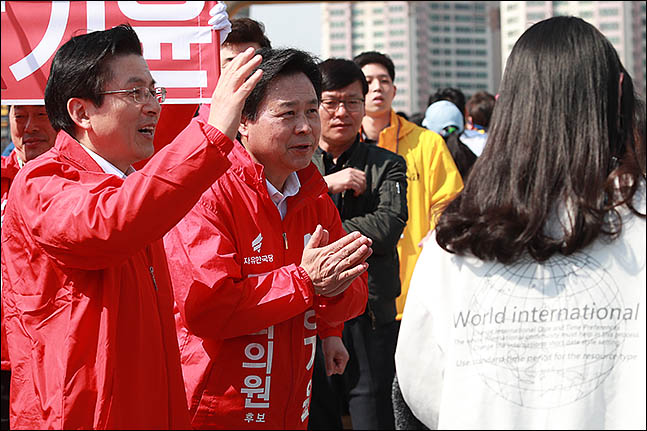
90,220
213,297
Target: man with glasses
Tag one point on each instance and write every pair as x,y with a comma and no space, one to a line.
86,290
368,185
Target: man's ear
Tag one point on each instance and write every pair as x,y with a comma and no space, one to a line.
242,128
77,108
395,90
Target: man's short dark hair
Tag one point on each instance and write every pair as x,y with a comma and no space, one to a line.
370,57
276,63
417,117
338,73
247,30
454,95
480,107
81,68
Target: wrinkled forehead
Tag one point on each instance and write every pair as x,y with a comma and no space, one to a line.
128,71
27,109
290,90
354,89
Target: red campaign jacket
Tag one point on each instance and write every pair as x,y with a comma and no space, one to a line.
246,313
10,167
86,291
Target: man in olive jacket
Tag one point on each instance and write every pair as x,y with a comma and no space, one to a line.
369,187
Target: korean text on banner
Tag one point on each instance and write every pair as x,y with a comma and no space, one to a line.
181,50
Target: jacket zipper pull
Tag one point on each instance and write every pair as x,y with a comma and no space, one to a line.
150,268
371,314
285,240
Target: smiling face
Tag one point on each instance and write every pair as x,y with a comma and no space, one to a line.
381,90
340,127
284,135
31,132
121,130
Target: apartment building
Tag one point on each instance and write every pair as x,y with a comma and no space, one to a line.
432,44
622,22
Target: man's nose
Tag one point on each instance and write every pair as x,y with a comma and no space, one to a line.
32,124
303,125
152,106
341,109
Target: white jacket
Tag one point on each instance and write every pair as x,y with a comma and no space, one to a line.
558,345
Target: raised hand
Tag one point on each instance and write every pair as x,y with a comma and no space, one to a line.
233,88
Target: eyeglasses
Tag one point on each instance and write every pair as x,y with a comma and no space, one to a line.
351,105
142,94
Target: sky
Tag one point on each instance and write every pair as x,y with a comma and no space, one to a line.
291,25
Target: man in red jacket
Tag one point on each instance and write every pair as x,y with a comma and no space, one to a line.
32,135
86,290
261,264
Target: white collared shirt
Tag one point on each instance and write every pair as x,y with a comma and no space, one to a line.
290,188
107,167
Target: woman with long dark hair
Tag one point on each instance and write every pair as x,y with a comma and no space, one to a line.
526,308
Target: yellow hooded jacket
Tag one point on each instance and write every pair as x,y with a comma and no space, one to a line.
433,181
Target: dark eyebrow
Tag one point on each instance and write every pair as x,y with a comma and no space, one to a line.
287,104
136,80
351,95
290,103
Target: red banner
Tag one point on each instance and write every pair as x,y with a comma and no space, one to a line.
181,50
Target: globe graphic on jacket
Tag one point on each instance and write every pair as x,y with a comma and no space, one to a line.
549,332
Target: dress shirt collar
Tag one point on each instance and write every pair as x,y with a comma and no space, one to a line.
290,188
107,167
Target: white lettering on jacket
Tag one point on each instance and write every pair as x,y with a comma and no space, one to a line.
257,260
256,385
310,323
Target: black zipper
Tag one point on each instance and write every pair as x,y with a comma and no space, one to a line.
370,314
150,266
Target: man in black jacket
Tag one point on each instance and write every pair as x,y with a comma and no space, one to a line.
368,186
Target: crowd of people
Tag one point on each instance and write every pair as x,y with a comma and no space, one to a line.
295,251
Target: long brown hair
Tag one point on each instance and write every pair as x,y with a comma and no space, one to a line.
561,131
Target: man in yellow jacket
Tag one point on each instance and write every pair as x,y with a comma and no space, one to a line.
432,176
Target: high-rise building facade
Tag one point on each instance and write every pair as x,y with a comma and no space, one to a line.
622,22
432,44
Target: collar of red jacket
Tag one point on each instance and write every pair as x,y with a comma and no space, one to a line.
242,165
71,149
